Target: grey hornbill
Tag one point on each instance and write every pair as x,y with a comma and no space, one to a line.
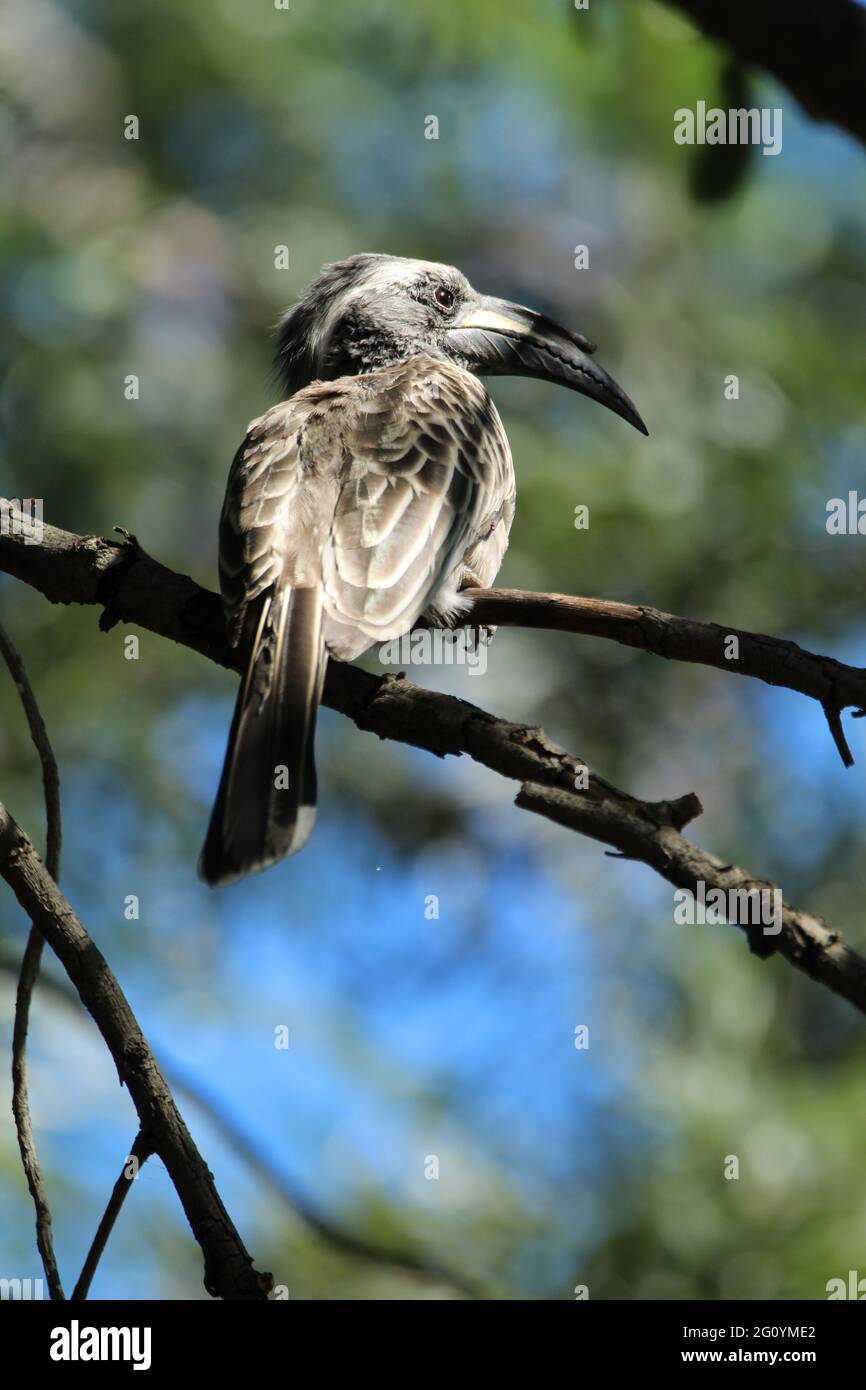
377,490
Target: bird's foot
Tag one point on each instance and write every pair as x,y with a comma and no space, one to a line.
482,634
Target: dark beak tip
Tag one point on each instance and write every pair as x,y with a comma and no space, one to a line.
628,411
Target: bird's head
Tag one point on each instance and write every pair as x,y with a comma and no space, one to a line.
373,311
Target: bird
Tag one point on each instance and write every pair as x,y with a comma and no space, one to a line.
368,499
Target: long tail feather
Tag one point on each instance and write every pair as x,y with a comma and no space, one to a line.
265,806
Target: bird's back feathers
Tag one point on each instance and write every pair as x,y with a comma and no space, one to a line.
351,509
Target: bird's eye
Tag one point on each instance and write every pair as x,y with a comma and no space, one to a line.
444,298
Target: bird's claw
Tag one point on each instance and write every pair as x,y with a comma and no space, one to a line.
482,633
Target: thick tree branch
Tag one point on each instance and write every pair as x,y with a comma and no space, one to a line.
134,588
816,48
228,1268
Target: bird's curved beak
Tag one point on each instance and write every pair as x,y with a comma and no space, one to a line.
495,338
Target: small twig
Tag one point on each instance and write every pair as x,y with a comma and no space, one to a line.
834,722
29,974
140,1153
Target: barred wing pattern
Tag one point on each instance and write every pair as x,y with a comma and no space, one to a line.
391,490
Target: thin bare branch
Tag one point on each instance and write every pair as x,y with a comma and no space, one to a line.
42,744
29,972
773,660
138,1155
803,938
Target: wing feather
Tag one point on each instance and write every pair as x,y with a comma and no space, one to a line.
377,487
394,549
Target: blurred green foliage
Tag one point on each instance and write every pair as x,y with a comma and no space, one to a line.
305,128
